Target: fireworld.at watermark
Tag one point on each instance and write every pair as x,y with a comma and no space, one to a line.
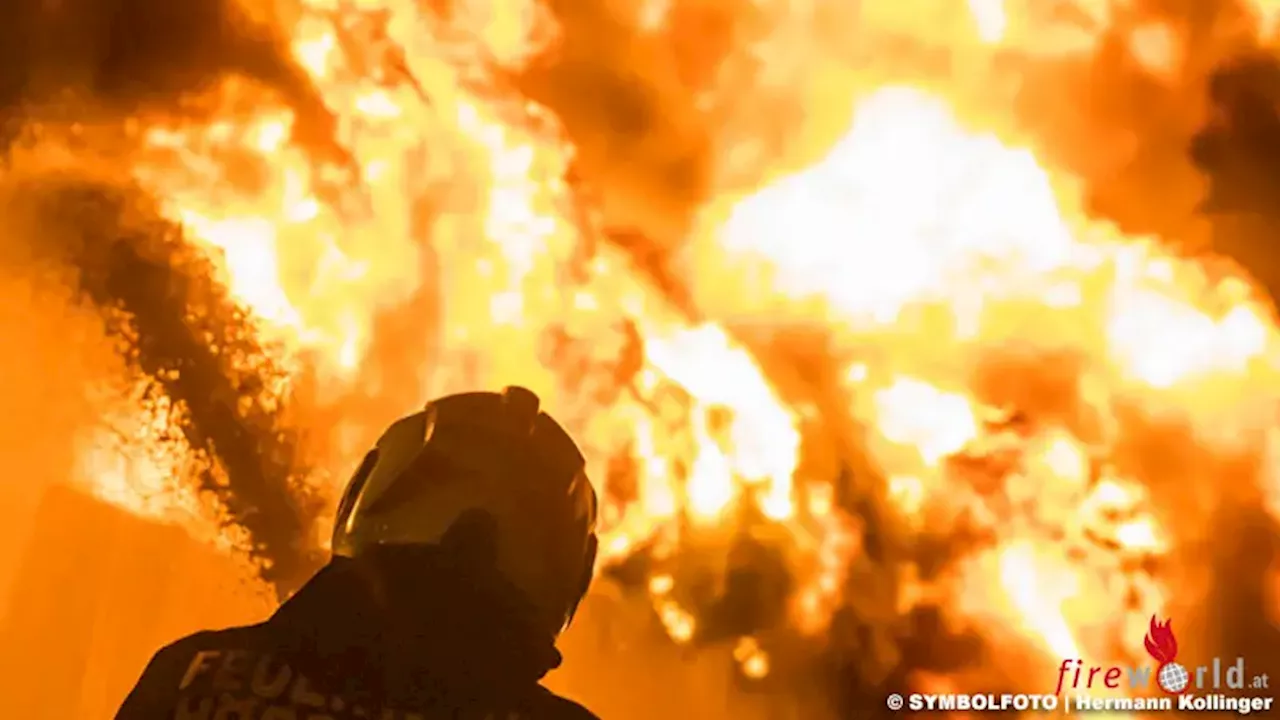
1218,685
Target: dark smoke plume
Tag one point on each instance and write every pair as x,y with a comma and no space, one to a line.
185,334
1166,151
116,59
107,62
1239,151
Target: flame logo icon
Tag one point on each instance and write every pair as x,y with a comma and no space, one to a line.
1160,641
1163,647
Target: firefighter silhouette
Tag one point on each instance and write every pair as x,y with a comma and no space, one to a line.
462,546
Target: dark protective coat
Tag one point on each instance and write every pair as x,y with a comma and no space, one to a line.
366,640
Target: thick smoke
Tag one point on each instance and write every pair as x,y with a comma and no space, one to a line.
104,63
123,58
1179,146
180,329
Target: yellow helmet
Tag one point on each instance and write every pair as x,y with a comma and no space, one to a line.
490,452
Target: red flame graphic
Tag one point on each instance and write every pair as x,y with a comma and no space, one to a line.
1160,641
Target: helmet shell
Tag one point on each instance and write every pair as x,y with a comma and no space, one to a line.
491,452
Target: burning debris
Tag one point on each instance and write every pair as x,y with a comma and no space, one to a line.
875,402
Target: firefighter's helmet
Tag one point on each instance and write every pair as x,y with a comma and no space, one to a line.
496,453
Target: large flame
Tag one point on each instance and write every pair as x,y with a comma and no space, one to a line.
942,262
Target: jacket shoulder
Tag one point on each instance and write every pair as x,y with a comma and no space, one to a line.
561,708
159,684
181,651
